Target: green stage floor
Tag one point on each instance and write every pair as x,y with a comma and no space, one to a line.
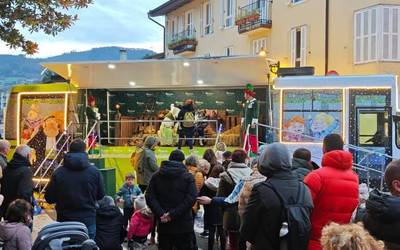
118,157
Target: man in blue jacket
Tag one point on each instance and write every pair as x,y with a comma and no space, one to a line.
75,187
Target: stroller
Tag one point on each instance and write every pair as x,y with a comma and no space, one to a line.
64,235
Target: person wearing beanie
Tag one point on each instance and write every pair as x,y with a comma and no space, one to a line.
110,232
140,225
170,196
147,164
251,112
261,220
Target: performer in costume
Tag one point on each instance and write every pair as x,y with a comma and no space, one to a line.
251,112
93,115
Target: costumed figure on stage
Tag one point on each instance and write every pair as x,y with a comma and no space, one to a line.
251,112
168,130
92,115
201,125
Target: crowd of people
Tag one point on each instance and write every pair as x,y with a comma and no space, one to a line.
272,201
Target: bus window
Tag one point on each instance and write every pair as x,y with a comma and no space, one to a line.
373,128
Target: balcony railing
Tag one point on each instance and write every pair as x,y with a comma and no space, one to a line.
183,41
254,16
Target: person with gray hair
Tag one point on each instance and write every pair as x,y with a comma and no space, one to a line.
17,178
4,149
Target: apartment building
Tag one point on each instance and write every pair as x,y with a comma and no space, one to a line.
347,36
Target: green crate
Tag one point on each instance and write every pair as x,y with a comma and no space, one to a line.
109,180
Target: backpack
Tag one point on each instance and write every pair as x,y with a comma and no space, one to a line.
296,223
188,120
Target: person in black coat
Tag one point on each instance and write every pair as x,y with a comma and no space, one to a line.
17,178
75,187
262,216
170,195
382,217
187,127
110,232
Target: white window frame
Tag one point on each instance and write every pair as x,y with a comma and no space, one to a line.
295,2
259,44
303,45
379,43
208,20
228,51
229,7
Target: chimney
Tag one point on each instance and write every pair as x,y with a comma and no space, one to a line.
123,55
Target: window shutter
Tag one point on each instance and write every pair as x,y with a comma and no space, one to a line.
293,47
222,17
357,38
211,18
373,35
395,33
303,51
202,20
386,35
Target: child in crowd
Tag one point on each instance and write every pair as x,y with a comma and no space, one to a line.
126,194
14,231
110,231
213,212
227,156
140,225
348,237
220,150
301,163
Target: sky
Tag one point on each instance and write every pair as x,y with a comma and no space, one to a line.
104,23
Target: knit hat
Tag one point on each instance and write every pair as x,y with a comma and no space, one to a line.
177,155
139,203
91,99
250,90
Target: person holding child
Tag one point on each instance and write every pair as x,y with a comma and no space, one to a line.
126,194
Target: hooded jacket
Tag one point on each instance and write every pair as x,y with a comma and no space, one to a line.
109,228
147,164
141,223
16,236
17,181
172,190
334,189
261,220
300,168
382,218
235,173
74,188
126,192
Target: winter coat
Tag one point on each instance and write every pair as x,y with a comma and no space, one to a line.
244,196
74,188
382,218
16,236
3,161
17,181
109,228
147,164
261,220
334,189
126,192
141,223
136,157
229,179
172,190
300,168
198,177
212,212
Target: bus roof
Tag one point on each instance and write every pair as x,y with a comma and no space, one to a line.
166,73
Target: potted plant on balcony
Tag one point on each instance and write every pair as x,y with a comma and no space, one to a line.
240,19
254,16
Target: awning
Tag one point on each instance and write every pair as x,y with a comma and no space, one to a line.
165,74
167,7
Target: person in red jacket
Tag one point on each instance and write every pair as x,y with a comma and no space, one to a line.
140,225
334,189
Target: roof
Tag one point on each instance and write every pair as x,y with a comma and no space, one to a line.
165,74
335,82
167,7
43,87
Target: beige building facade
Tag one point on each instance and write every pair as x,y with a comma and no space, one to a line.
363,36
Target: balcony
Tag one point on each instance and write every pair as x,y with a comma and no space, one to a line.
254,17
184,41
